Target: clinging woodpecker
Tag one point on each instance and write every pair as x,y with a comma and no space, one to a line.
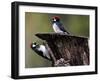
57,26
41,50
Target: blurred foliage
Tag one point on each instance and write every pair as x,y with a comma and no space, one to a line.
41,22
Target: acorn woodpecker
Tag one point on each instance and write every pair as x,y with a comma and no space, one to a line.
57,26
41,50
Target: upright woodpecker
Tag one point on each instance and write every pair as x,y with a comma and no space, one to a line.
57,26
41,50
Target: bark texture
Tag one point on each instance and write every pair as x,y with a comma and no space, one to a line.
66,50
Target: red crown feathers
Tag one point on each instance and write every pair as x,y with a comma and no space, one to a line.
56,17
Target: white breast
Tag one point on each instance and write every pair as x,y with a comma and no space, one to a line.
56,29
44,50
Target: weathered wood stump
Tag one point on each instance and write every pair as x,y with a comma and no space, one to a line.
65,49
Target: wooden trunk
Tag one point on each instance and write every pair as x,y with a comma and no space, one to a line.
67,50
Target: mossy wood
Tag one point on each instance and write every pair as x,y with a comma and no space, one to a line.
74,50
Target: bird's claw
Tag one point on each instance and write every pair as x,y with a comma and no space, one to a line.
62,62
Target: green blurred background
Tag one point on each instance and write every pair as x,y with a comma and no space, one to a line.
78,25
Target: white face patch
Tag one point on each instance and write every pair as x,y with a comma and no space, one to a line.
54,19
33,45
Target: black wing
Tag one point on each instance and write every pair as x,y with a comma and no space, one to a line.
62,27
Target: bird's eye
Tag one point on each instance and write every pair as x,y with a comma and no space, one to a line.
34,43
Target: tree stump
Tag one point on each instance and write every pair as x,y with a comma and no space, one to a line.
66,50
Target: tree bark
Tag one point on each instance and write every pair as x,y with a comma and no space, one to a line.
66,50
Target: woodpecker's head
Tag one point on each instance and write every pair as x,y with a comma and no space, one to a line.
55,18
34,45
